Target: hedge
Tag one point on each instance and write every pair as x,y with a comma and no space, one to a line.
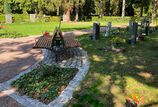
116,19
17,18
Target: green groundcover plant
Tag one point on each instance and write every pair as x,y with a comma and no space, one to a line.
44,83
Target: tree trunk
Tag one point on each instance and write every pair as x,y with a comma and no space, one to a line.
123,8
40,7
58,8
101,9
108,9
77,12
68,19
154,10
142,7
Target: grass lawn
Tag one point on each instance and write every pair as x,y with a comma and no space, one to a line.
25,29
114,76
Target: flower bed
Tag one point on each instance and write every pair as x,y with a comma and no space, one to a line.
44,83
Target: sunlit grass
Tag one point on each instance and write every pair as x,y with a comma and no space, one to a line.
114,76
28,28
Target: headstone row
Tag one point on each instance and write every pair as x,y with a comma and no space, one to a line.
9,18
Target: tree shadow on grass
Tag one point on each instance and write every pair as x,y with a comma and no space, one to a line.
113,76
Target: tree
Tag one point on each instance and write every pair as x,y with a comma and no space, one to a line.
25,5
53,5
90,10
142,7
123,8
107,7
155,3
1,5
40,7
67,6
78,4
7,7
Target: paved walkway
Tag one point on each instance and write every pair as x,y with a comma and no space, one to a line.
16,55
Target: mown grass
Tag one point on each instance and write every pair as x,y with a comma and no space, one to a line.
114,76
16,30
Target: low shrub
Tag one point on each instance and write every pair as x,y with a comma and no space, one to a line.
112,19
44,83
54,19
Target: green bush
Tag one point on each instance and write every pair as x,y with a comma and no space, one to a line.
2,18
108,18
116,19
17,18
54,18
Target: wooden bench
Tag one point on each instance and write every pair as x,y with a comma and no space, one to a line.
56,40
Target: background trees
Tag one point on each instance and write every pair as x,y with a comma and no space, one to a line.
81,9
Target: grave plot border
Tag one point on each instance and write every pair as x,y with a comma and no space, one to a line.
63,98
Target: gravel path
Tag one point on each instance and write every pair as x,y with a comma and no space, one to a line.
16,55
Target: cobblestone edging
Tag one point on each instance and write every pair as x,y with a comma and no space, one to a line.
80,61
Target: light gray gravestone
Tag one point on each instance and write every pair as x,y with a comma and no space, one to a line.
32,17
8,18
64,18
108,30
96,31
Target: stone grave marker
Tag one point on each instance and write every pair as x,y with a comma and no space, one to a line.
108,30
146,28
8,18
134,33
142,23
32,17
96,31
130,25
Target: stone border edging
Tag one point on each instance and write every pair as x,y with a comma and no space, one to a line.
63,98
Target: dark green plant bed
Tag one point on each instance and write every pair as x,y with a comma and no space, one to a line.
44,83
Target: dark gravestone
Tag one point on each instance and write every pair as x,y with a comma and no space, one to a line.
142,23
96,31
146,29
134,33
130,25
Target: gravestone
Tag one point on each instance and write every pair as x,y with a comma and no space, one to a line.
8,18
108,30
96,31
130,25
146,29
134,33
142,23
64,18
32,17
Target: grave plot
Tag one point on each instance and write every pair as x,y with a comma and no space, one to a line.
50,82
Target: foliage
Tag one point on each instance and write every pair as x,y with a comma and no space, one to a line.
79,7
45,82
112,19
7,7
41,27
